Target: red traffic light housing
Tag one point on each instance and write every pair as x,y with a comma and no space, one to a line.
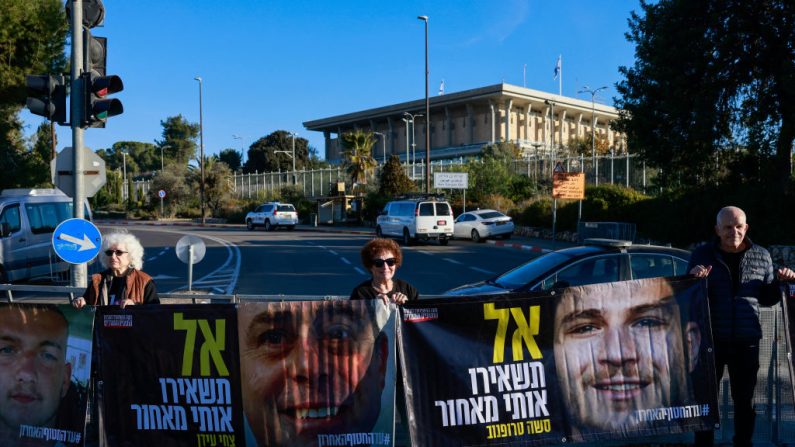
98,108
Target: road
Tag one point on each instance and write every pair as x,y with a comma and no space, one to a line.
307,262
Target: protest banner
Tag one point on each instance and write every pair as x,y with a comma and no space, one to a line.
602,362
310,373
45,367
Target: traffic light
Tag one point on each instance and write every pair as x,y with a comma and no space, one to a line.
47,96
98,108
94,53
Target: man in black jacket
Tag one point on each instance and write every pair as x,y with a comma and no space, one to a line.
740,278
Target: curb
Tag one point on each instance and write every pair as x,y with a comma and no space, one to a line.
154,223
533,248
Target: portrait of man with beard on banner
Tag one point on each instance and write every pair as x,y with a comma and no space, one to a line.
45,353
630,357
316,373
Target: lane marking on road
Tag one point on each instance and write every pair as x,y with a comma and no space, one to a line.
452,260
361,272
424,252
333,252
345,260
230,268
482,270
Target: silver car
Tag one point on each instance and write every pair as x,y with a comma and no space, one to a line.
481,224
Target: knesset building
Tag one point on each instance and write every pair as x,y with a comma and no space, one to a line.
463,122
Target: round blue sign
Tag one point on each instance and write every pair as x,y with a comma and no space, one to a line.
161,193
76,241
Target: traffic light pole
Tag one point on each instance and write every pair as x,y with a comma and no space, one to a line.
79,271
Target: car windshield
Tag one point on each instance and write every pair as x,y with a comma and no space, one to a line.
490,215
519,276
286,208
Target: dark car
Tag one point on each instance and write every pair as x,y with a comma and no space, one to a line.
597,261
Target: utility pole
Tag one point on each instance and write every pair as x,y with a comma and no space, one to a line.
79,271
427,115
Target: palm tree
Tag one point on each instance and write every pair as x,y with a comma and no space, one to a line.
358,149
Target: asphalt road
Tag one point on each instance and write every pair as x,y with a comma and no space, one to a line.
308,262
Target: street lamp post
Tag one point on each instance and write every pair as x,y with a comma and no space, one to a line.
162,163
551,105
291,155
412,119
427,115
593,93
238,137
125,192
201,148
383,143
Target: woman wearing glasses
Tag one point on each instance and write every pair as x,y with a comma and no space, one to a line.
122,282
382,257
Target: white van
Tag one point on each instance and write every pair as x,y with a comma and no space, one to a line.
28,218
411,219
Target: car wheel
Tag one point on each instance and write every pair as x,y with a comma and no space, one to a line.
378,231
268,226
406,237
475,236
443,241
249,225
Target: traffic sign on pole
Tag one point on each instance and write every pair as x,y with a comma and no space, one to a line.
92,166
76,241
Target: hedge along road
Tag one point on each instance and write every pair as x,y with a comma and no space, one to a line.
217,273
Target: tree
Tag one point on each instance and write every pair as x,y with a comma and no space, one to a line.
357,153
270,153
179,140
394,180
173,182
232,158
32,40
141,157
217,187
583,145
711,77
505,151
37,160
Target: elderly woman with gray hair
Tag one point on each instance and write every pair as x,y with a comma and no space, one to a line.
122,282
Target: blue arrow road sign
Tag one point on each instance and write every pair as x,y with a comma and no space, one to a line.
76,241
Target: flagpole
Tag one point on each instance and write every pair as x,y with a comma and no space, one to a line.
560,80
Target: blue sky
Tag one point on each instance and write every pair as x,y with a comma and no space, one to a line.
268,65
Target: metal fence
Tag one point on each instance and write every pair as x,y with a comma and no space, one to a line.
626,170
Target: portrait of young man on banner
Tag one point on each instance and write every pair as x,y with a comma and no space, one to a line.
170,376
626,358
317,373
45,364
605,362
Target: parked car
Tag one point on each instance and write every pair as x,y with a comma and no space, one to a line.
482,224
28,218
421,218
272,215
597,261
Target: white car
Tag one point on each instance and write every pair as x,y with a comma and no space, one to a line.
481,224
421,218
272,215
